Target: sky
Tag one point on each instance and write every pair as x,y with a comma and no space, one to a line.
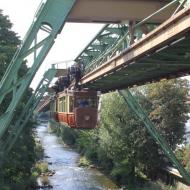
73,38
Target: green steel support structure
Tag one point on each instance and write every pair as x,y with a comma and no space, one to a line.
111,40
136,108
47,24
27,113
114,38
104,40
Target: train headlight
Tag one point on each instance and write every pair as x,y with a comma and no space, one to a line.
86,117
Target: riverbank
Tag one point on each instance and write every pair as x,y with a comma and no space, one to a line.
39,171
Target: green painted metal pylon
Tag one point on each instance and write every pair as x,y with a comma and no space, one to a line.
27,113
133,104
47,24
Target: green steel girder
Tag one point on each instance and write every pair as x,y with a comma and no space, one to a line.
107,39
49,20
78,58
85,58
99,47
149,68
26,114
120,39
136,108
92,53
105,33
103,40
117,44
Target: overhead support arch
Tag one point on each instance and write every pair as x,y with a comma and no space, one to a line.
39,39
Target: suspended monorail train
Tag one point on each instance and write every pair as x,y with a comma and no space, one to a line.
77,109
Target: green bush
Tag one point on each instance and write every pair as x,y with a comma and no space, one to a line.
84,162
41,167
183,155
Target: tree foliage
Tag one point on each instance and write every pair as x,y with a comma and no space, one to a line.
169,109
183,155
9,41
16,170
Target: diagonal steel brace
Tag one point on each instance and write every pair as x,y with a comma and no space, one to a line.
137,109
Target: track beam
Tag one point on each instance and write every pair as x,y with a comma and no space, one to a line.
173,29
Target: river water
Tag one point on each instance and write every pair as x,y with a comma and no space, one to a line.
68,176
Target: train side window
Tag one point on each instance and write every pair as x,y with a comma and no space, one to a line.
62,104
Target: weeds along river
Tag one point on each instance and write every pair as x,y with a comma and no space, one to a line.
64,161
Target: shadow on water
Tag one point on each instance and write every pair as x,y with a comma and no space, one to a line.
68,176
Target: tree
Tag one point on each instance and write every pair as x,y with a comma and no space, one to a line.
118,137
15,172
165,102
169,108
9,41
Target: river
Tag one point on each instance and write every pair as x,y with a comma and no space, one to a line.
64,161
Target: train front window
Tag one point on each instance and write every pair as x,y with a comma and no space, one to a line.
87,102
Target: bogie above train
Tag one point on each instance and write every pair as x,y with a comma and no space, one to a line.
79,109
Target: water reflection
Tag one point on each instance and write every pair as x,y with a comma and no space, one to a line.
68,175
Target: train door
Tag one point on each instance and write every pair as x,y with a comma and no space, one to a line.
70,114
62,109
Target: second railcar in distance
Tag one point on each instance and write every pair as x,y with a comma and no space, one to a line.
79,109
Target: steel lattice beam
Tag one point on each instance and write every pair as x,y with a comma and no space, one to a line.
158,45
108,36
